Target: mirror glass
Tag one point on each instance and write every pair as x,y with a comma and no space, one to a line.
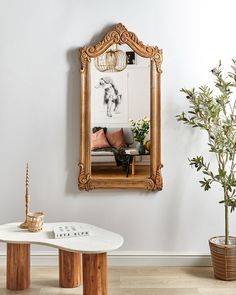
120,114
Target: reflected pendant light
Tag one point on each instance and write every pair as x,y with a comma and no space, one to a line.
111,60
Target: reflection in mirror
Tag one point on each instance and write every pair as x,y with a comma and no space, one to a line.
120,114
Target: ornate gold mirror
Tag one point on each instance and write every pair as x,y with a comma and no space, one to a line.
120,130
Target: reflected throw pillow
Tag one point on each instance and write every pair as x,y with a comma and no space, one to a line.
99,140
96,128
116,139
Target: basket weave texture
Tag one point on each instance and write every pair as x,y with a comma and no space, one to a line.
35,221
223,259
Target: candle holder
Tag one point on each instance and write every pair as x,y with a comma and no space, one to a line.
35,221
27,198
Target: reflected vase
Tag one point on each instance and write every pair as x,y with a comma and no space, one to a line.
140,148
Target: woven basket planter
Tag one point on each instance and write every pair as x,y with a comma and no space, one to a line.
223,258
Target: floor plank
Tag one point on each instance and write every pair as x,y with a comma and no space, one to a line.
133,281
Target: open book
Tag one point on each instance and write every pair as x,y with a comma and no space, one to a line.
69,231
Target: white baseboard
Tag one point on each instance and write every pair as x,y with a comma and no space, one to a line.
127,258
154,258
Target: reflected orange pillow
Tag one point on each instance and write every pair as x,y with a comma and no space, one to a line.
99,140
116,139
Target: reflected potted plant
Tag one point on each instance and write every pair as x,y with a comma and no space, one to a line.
140,129
216,115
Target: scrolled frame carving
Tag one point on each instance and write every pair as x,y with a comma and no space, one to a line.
120,35
84,179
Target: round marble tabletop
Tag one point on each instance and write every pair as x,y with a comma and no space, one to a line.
98,241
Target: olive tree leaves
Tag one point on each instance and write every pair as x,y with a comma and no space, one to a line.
216,115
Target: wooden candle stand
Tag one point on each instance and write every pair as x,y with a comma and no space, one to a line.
27,198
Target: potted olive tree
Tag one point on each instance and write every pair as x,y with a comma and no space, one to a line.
215,113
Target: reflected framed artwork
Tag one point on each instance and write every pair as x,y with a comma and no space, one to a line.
109,98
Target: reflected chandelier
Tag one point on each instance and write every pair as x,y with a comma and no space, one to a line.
111,60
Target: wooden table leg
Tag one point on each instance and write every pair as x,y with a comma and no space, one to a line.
95,274
69,269
18,266
133,166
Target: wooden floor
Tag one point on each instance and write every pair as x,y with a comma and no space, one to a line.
134,281
141,171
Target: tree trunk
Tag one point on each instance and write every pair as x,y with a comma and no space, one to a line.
226,218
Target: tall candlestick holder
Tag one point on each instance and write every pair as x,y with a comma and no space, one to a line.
27,198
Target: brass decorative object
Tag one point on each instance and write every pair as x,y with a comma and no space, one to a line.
27,198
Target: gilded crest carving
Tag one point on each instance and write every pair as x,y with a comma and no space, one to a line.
120,35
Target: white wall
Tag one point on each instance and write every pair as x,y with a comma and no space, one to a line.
39,115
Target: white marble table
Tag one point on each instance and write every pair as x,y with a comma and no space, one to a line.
93,248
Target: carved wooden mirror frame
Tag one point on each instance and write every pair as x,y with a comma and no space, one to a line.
120,35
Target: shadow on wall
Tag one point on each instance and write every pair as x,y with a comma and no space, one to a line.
72,121
73,114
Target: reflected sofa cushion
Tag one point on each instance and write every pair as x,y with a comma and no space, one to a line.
96,128
99,140
116,139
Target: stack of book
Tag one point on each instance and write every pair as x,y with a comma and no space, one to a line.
69,231
132,152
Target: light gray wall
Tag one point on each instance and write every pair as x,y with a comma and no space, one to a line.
39,115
